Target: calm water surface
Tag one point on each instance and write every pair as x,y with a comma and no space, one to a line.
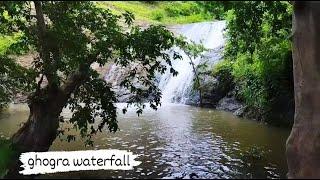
179,141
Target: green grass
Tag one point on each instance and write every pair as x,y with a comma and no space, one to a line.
156,12
167,13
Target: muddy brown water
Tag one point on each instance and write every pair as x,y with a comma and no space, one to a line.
178,141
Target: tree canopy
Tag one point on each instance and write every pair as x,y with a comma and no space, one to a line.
68,37
258,56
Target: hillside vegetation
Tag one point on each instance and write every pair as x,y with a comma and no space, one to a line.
258,47
174,12
147,12
258,58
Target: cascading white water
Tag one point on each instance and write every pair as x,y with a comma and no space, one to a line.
178,89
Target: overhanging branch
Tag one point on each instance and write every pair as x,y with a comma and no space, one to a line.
78,77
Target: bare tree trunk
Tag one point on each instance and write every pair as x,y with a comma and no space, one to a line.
40,130
303,144
38,133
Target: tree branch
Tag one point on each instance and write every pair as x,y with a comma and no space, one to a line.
40,19
78,77
75,80
43,43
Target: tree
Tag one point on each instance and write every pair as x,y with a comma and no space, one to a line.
248,21
216,8
258,45
69,37
193,51
303,145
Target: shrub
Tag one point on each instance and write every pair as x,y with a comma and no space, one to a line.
182,9
258,44
5,42
249,81
157,15
222,70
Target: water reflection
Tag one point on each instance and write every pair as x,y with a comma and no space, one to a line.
180,141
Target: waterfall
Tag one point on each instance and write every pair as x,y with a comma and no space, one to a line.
178,89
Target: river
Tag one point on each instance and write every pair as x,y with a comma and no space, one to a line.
178,141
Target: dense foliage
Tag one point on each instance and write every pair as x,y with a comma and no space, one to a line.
69,37
258,55
13,78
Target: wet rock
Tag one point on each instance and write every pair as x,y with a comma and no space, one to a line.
230,104
240,112
212,92
193,99
215,88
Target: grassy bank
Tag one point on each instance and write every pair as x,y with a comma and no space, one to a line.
167,13
152,12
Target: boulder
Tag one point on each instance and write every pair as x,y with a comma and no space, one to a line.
232,105
215,88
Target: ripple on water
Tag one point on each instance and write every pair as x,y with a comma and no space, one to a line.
186,143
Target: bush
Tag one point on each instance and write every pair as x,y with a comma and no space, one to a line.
223,73
247,79
223,70
5,42
9,44
172,11
259,48
262,80
183,9
157,15
249,82
214,8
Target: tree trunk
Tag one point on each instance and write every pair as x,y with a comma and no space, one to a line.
38,133
303,144
40,130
